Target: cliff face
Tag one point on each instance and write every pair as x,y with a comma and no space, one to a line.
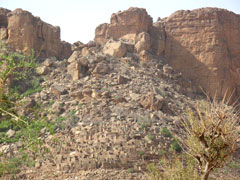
203,44
24,32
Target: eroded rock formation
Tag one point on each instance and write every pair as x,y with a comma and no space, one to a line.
203,44
24,32
127,23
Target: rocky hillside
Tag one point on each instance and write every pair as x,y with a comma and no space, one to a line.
203,44
118,95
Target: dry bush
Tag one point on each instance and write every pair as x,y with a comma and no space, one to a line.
210,134
209,138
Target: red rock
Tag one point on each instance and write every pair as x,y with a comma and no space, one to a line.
26,33
204,44
131,21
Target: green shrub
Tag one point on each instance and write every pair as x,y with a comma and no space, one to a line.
176,146
165,132
175,167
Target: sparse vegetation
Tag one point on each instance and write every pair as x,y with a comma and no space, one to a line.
175,167
211,134
176,146
209,139
27,128
165,132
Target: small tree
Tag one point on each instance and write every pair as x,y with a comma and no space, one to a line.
210,134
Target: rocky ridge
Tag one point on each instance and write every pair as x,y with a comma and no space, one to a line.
203,44
116,93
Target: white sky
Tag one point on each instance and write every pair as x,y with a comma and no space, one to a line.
79,18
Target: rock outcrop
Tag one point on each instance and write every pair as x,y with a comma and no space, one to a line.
124,24
24,32
203,44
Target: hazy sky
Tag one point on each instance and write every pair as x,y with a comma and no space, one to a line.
79,18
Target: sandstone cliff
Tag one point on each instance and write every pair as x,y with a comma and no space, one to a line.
203,44
24,32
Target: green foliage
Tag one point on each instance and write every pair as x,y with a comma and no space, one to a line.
161,152
141,154
35,87
176,146
151,137
28,128
234,165
12,166
165,132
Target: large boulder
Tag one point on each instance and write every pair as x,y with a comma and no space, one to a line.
131,21
204,44
24,32
115,48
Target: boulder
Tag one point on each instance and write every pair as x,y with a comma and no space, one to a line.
143,42
75,55
58,90
152,101
101,68
77,70
115,48
132,21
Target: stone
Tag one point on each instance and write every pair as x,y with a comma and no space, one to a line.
101,68
115,48
122,79
30,103
84,61
76,70
152,101
77,94
167,69
86,52
91,44
145,56
75,55
143,42
58,90
10,133
65,50
42,70
58,107
48,62
130,22
3,33
87,92
134,96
